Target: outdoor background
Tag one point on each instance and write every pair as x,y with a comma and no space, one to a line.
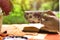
20,6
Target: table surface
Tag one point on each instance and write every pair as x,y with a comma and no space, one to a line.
16,29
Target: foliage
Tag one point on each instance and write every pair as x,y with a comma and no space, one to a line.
58,14
46,6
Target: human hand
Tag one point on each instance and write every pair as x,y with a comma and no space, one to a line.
50,22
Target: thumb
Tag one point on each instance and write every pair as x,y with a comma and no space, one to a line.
47,16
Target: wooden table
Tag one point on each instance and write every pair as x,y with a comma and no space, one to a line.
16,29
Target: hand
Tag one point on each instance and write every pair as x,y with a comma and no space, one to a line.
50,22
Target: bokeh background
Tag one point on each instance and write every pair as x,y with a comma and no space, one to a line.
20,6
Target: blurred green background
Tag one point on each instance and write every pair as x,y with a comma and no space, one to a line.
19,6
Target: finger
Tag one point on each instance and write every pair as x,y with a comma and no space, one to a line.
47,16
50,13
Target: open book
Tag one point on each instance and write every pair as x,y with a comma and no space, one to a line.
38,28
